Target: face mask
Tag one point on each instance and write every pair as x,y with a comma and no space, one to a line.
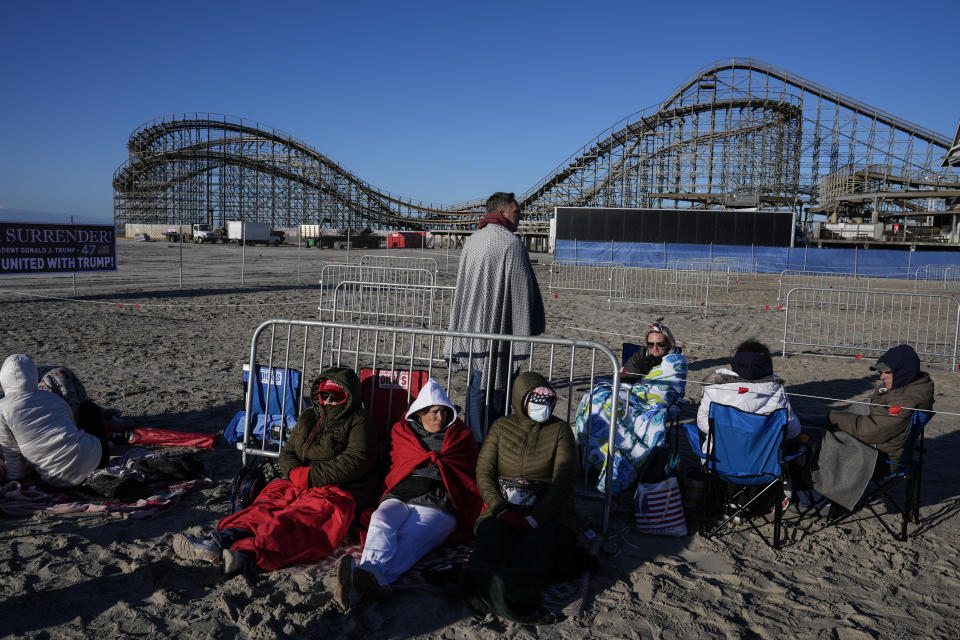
538,412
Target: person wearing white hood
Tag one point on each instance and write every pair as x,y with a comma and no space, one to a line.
430,494
751,386
37,428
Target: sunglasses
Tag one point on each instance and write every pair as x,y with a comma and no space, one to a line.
651,345
326,396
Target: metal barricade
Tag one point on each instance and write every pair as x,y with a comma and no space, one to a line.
395,354
583,276
400,262
856,321
662,287
333,274
820,280
403,305
718,272
944,277
739,265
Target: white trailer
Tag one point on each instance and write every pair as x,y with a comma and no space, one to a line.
250,233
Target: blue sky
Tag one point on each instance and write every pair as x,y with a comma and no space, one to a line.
444,101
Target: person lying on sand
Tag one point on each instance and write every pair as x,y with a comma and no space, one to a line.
329,474
431,493
38,430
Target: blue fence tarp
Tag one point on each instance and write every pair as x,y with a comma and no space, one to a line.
881,263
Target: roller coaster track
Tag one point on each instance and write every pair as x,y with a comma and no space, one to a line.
828,119
739,125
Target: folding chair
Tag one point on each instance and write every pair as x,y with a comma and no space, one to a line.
628,349
909,470
388,393
275,402
745,450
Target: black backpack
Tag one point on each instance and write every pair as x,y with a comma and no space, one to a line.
250,481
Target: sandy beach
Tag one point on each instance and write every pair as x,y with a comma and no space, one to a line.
170,357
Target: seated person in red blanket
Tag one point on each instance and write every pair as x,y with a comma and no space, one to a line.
329,469
431,493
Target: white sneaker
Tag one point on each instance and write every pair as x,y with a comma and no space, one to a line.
203,549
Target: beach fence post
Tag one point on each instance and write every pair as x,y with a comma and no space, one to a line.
909,261
181,250
805,257
74,273
298,256
243,249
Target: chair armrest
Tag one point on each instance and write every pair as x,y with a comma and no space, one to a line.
793,456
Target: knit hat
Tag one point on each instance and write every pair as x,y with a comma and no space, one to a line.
752,366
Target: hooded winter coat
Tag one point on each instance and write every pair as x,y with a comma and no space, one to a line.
37,427
337,442
451,456
516,446
891,411
763,396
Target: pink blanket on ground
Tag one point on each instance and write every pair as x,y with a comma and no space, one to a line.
18,501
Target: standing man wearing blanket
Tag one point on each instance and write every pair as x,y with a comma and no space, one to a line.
497,292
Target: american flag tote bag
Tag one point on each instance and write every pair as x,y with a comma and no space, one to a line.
658,508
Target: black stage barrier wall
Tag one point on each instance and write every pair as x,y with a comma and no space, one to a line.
761,228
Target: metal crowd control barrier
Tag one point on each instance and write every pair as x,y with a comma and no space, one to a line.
404,305
718,272
333,274
400,262
936,276
388,356
739,264
841,319
583,276
666,287
820,280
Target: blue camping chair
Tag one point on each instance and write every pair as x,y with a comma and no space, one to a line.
909,470
275,405
744,450
627,351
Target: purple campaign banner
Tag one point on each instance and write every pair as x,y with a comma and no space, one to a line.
56,248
